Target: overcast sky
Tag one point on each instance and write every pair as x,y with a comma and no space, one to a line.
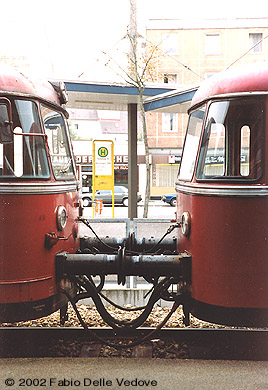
68,37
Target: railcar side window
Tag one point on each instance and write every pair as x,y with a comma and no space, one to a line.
22,151
191,144
5,130
244,151
232,141
61,157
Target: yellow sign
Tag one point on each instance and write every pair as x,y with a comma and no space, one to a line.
103,158
103,151
103,167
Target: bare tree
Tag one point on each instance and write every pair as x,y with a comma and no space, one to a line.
141,68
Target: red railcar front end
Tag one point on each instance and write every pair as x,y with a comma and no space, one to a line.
38,198
223,198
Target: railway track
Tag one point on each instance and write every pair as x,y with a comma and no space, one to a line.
190,343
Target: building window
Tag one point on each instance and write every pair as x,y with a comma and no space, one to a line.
164,175
170,44
169,122
170,78
255,42
210,74
212,44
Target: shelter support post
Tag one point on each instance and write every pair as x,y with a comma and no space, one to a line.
132,161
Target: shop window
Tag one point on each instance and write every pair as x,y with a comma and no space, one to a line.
121,177
164,175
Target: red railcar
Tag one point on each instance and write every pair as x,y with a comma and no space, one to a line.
38,196
222,197
221,264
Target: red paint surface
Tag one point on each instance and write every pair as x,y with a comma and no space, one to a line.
229,247
14,81
249,78
27,267
229,235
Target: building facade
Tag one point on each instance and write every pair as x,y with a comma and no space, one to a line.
189,52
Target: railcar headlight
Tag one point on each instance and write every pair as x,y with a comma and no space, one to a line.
61,217
186,223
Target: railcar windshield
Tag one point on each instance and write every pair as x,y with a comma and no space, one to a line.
61,157
22,144
233,140
191,144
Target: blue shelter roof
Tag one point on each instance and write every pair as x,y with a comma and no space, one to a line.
104,96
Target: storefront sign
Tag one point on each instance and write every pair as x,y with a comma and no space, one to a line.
88,159
83,159
210,160
174,159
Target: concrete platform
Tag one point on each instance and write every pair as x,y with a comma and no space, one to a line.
55,374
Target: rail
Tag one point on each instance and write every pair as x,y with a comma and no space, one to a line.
199,343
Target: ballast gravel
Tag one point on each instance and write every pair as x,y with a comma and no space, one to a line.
168,349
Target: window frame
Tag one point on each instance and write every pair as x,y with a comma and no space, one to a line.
202,107
258,45
65,134
170,43
170,119
215,49
26,138
232,178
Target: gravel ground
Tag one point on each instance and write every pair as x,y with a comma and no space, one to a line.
168,349
93,319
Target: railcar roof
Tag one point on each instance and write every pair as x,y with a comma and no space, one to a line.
248,78
12,81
